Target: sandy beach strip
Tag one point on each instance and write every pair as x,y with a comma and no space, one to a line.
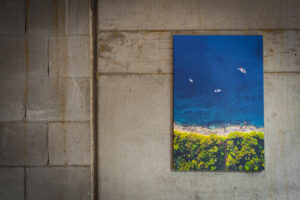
219,131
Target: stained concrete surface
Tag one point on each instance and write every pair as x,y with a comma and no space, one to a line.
135,98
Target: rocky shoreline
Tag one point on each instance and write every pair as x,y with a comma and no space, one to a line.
219,131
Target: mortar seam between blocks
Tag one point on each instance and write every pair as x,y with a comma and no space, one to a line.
48,58
25,184
43,166
42,35
93,99
46,121
47,144
197,30
26,17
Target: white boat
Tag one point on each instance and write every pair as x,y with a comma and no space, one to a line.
242,70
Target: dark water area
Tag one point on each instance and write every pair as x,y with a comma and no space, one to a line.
210,90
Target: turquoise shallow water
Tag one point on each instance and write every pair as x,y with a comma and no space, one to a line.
209,88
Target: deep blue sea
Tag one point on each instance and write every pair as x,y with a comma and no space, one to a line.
218,80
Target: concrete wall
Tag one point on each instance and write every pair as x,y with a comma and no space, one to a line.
45,105
44,101
135,97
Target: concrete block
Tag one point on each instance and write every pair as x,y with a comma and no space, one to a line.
58,17
23,56
149,52
12,17
133,139
282,101
70,183
135,145
23,144
282,134
197,14
37,57
12,183
69,144
289,146
282,163
58,99
12,57
281,50
11,100
69,56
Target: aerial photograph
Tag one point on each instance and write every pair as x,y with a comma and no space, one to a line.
218,103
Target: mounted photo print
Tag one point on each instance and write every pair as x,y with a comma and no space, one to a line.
218,103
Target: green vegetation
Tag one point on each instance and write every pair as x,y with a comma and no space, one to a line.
237,151
245,151
194,151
